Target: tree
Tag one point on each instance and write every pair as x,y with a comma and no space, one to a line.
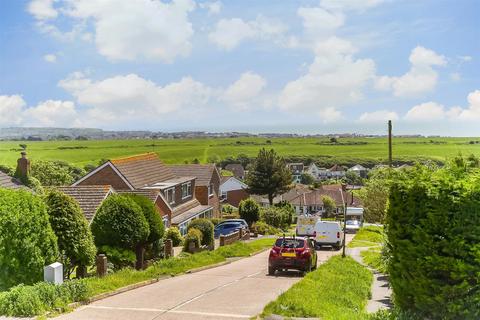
269,175
329,206
23,146
74,238
353,178
306,178
120,222
27,241
56,173
249,210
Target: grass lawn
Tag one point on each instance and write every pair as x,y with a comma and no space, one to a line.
180,150
371,236
373,257
338,289
42,297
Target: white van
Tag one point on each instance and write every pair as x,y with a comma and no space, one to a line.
306,226
328,233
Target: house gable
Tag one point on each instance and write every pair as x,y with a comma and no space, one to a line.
106,174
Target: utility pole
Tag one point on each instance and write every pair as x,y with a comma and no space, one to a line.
344,221
390,143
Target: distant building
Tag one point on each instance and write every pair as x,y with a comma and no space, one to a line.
237,170
296,169
359,170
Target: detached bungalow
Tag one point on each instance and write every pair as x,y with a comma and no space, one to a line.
232,191
175,196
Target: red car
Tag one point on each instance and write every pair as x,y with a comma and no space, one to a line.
292,253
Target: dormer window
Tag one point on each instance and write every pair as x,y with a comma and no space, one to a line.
186,190
210,189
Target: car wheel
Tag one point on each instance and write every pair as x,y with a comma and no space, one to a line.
308,268
314,267
271,271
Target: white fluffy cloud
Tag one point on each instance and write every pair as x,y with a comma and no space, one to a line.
378,116
421,78
11,108
230,33
245,92
125,29
133,96
51,113
42,9
428,111
50,58
213,7
472,112
334,79
319,21
344,5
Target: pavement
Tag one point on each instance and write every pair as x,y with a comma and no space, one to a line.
239,290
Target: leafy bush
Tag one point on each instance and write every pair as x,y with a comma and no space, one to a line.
174,234
265,229
119,257
74,238
276,217
216,221
193,236
228,209
120,222
56,173
27,241
249,210
152,215
206,227
433,223
28,301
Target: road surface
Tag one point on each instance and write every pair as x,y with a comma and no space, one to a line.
238,290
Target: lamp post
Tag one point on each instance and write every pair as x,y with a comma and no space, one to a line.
344,221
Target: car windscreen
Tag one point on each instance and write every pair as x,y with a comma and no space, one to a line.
229,225
352,222
290,243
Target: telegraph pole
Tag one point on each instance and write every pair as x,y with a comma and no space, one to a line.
344,221
390,143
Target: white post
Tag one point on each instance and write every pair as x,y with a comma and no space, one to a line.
53,273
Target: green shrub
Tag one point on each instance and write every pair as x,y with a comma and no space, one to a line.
74,238
119,257
193,236
249,210
228,209
152,215
216,221
206,227
265,229
120,222
56,173
277,217
174,234
37,299
433,228
27,241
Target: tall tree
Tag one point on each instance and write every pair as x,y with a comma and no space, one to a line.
269,175
329,206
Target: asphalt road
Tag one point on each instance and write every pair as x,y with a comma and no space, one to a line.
238,290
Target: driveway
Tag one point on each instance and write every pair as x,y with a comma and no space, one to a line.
238,290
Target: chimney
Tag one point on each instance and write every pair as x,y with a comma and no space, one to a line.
23,167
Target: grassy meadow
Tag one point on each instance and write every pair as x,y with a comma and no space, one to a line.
181,150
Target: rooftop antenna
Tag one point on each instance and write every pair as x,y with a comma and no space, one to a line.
390,143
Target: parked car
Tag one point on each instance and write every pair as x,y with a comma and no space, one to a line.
292,253
328,233
229,226
352,226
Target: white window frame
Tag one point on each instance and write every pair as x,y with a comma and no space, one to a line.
210,190
172,201
188,187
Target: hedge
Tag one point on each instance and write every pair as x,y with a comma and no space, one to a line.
206,227
27,241
433,229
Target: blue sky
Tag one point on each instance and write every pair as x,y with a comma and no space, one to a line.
261,66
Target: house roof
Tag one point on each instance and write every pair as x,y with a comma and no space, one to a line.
358,167
315,198
189,213
203,172
337,167
236,168
10,183
88,197
143,170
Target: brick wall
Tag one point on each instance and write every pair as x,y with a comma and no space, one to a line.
235,196
164,210
106,176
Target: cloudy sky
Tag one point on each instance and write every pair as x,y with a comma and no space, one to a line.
252,65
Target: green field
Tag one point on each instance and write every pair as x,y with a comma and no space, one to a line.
181,150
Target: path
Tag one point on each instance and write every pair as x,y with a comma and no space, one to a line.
381,291
238,290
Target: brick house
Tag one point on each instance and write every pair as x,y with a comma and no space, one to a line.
207,185
174,195
232,191
90,198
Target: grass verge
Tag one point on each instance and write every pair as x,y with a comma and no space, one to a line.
370,236
42,297
373,258
338,289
